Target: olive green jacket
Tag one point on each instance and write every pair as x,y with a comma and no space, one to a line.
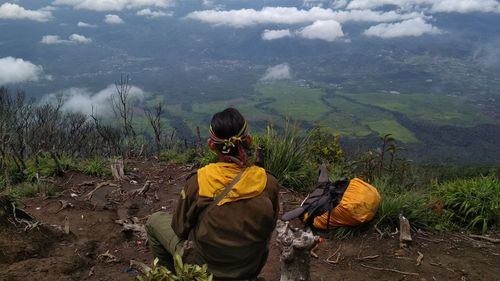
232,238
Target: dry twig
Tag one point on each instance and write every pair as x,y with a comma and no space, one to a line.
489,239
420,258
391,270
328,260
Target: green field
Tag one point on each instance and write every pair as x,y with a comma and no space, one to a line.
346,114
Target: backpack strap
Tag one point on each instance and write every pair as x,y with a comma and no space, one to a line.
228,188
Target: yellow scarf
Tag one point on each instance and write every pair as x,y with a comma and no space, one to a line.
213,179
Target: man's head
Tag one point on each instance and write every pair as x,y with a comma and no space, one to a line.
229,136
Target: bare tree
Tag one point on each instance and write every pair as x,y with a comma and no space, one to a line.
154,118
122,106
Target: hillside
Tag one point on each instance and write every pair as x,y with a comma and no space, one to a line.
43,253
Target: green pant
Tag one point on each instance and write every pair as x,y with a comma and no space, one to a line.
163,241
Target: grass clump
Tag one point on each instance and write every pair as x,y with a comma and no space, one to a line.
286,156
411,203
96,167
30,189
472,203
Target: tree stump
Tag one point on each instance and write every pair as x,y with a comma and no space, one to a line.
295,247
117,170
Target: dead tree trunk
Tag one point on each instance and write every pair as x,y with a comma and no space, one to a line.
295,247
117,170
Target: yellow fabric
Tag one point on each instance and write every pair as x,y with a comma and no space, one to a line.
213,179
358,205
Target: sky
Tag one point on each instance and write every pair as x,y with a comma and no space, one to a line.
294,22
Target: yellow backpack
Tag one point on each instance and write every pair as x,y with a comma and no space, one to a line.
341,203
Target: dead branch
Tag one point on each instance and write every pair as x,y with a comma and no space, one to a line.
102,184
313,251
107,257
330,261
141,191
420,258
390,270
64,204
489,239
379,231
367,258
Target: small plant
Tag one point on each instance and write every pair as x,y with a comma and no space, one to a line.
472,203
183,272
96,167
28,189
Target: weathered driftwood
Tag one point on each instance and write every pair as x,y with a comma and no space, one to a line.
295,247
405,233
117,170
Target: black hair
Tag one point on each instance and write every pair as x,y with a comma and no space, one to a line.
226,124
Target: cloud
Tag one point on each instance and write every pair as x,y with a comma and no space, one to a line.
82,100
413,27
84,24
328,30
291,15
72,39
15,70
16,12
276,34
77,38
113,19
152,14
436,6
113,5
277,72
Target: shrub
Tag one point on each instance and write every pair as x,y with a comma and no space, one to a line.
472,203
206,157
286,156
183,272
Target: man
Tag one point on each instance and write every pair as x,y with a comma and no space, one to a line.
228,210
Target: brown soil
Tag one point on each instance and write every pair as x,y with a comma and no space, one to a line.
45,253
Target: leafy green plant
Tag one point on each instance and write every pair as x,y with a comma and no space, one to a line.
96,167
286,156
472,203
183,272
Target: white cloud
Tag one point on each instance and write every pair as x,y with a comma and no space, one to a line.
466,6
277,72
448,6
84,24
113,5
276,34
15,70
113,19
413,27
72,39
291,15
328,30
77,38
16,12
82,100
152,14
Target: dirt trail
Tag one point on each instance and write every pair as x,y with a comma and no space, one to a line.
46,254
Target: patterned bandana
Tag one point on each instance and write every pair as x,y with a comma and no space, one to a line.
232,142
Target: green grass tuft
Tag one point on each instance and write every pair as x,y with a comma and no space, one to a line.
471,203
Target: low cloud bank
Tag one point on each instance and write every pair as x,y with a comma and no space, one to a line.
277,72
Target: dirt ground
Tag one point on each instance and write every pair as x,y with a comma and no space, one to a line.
45,253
